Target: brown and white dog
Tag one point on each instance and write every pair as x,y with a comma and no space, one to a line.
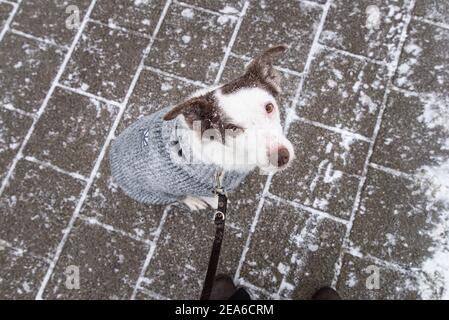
238,123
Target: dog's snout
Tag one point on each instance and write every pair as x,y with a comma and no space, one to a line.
283,156
280,157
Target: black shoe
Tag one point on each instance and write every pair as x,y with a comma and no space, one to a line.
326,293
223,288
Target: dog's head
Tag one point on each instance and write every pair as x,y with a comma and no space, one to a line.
237,125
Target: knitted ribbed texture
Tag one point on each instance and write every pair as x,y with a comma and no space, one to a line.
146,163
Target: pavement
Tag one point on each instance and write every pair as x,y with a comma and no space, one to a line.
363,208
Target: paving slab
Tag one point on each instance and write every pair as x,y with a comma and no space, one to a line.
178,267
5,11
13,128
395,220
436,11
28,69
21,274
71,131
414,133
272,250
343,92
186,30
403,221
315,262
269,23
368,28
293,252
104,62
108,265
139,16
358,281
36,207
424,66
55,21
154,91
325,173
244,201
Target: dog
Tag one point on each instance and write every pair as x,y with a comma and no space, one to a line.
174,154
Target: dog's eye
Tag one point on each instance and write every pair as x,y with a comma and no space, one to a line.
232,127
269,107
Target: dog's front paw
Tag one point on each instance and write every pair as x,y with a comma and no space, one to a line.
194,203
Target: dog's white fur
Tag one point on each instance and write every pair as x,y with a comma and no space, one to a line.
262,135
261,138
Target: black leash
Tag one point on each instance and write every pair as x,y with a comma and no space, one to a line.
219,219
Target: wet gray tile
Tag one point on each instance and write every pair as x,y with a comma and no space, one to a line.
395,220
423,65
413,133
13,128
45,200
28,69
315,262
153,92
50,20
434,10
269,23
107,203
109,265
179,265
235,67
140,16
186,32
20,274
369,28
104,62
244,201
356,281
5,10
273,246
71,131
325,173
344,92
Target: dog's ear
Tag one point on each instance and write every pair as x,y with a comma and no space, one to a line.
193,109
262,66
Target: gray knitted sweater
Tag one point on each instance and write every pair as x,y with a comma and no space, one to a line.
149,161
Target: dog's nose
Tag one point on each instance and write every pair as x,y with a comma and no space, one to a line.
283,156
280,157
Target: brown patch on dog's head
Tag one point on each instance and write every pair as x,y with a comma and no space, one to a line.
260,73
202,109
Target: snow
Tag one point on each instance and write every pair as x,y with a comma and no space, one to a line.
186,39
434,182
373,17
229,10
188,13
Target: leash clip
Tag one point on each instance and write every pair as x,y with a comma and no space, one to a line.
220,214
219,217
